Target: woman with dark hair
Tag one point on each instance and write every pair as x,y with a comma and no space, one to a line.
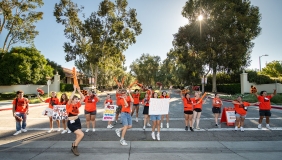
146,102
90,109
74,123
63,101
135,96
156,119
188,110
216,108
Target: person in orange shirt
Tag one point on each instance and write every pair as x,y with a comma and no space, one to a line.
109,101
90,109
74,123
240,112
164,95
188,110
216,108
264,107
146,102
20,109
52,101
198,103
125,115
63,101
118,98
136,96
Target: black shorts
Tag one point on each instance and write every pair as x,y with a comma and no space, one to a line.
146,110
198,109
74,126
118,110
135,105
265,113
188,112
91,113
216,110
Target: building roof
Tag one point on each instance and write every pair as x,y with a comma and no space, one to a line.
68,72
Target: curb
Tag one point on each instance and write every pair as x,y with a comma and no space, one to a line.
35,105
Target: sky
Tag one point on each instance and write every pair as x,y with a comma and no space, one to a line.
160,20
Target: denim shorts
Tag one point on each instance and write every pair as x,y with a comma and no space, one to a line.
126,119
155,117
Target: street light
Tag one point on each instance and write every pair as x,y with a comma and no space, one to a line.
260,62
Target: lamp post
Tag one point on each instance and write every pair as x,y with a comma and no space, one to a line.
260,61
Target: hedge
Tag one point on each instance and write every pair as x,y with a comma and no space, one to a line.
225,88
69,87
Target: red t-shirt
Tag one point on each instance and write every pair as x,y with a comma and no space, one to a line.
167,96
90,103
264,102
63,103
22,105
195,101
118,99
108,101
123,108
146,102
55,101
240,108
136,97
216,102
73,109
188,104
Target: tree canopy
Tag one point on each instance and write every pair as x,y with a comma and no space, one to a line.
273,69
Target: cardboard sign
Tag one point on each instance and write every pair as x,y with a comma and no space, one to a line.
109,113
228,116
159,106
59,112
47,112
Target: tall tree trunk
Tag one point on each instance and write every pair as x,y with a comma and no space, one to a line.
96,77
214,79
6,39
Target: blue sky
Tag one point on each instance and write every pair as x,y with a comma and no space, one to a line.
160,20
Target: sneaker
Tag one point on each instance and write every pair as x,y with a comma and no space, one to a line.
158,136
144,127
216,125
161,125
59,129
267,126
167,125
64,131
191,129
24,130
93,130
259,126
115,123
136,119
18,132
198,128
242,129
120,122
87,130
118,132
122,142
236,128
69,131
110,126
186,128
153,135
148,124
51,130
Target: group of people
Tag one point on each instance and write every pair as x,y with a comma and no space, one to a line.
192,108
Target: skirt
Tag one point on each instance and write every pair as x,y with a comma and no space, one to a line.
74,126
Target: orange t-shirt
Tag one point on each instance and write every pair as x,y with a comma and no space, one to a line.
217,102
123,108
188,104
90,103
55,101
109,101
22,105
146,102
264,102
150,92
240,108
63,103
136,97
195,101
165,96
73,109
118,98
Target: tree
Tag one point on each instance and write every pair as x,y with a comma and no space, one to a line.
18,18
24,66
104,34
57,68
273,69
224,40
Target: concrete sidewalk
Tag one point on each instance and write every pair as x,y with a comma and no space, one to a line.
157,150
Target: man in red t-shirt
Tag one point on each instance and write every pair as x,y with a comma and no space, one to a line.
264,107
20,110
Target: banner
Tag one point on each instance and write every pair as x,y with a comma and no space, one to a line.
47,112
59,112
109,113
159,106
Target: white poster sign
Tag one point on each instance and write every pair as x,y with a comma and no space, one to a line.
230,116
109,113
47,112
159,106
59,112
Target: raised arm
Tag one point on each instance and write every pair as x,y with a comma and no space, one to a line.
72,94
274,93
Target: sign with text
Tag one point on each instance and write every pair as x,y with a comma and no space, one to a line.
109,113
59,112
230,116
159,106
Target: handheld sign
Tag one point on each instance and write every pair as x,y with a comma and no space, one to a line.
109,113
59,112
159,106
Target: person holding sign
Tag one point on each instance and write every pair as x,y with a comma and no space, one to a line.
188,110
146,102
156,120
125,116
216,108
74,123
164,95
63,101
136,96
52,101
240,112
198,103
90,109
109,101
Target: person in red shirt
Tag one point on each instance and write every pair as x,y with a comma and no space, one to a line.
198,103
118,109
240,112
74,123
63,101
188,110
52,101
109,101
264,107
20,109
90,109
145,102
135,96
125,115
164,95
216,108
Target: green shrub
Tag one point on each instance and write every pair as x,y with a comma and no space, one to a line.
7,96
277,99
225,88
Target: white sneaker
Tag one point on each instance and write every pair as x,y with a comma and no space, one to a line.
93,130
236,128
153,135
118,132
122,142
158,136
148,124
59,129
136,119
24,130
51,130
161,125
18,132
242,129
110,126
64,131
69,131
267,126
167,125
144,127
87,130
259,126
198,128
